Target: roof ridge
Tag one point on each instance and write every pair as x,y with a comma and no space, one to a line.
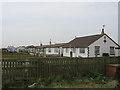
90,35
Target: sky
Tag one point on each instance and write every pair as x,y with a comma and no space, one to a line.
29,23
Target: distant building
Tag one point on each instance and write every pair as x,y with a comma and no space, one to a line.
11,49
51,50
21,49
31,49
3,50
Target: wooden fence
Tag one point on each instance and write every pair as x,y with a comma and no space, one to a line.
46,67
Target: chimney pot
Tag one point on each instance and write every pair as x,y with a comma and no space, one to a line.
50,42
41,44
102,31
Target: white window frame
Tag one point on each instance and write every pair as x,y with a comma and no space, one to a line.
112,52
56,50
97,50
82,50
66,50
49,50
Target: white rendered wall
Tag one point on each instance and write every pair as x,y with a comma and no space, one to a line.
104,47
20,48
76,54
52,51
118,52
81,54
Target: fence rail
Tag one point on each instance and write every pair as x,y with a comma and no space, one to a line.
28,69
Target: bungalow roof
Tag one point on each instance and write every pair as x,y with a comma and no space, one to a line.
51,46
83,41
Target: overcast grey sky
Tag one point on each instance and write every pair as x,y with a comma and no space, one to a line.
32,23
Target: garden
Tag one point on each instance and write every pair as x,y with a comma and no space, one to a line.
56,72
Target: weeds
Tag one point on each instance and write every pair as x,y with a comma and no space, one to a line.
93,79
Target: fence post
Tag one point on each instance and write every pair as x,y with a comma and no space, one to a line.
118,59
77,67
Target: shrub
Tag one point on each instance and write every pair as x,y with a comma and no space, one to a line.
92,74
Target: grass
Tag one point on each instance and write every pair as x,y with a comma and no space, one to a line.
73,82
17,56
67,82
22,56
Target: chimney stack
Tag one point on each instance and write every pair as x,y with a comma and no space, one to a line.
103,32
40,44
50,42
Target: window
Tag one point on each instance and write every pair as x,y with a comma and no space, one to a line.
41,50
66,50
49,50
56,50
82,50
112,52
97,50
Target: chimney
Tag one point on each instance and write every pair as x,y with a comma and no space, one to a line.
103,32
40,44
50,42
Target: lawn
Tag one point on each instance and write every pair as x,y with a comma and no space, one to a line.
16,56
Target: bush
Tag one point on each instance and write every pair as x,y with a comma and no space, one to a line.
69,79
96,77
92,74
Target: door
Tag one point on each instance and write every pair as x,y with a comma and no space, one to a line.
71,53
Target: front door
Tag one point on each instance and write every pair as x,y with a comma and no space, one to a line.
71,53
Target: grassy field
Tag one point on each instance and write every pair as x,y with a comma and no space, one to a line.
16,56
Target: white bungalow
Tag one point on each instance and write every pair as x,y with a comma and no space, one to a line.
31,49
91,46
50,50
21,49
